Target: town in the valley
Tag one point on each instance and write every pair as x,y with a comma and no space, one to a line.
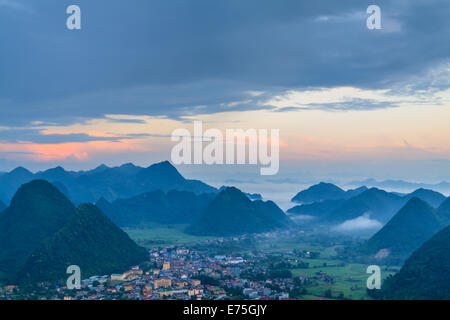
197,272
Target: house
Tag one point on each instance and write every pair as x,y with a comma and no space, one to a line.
195,292
128,287
179,284
182,251
118,276
163,283
216,290
196,282
147,291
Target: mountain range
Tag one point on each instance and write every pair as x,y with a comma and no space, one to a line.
110,183
435,199
233,213
325,191
443,186
173,207
42,233
251,196
236,210
317,209
378,204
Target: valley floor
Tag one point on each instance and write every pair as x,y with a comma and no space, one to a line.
162,235
324,273
293,264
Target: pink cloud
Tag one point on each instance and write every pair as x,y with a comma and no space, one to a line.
79,151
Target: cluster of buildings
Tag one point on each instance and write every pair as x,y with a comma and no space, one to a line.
190,272
182,274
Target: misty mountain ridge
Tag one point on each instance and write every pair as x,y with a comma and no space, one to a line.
173,207
379,204
401,185
375,203
435,199
233,213
110,183
251,196
325,191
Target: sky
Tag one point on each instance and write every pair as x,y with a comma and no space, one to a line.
349,102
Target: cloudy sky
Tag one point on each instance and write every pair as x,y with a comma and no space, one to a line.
349,101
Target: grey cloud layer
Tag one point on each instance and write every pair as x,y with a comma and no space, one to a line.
176,57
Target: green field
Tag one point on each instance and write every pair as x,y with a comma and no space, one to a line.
350,279
162,235
282,246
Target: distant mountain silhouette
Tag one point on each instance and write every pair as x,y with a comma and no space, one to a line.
55,174
325,191
42,228
379,204
316,209
99,169
415,223
163,176
319,192
20,173
251,196
402,185
425,275
125,181
233,213
443,212
434,198
11,181
173,207
355,192
254,196
63,189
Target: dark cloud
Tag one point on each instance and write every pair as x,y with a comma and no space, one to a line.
180,57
